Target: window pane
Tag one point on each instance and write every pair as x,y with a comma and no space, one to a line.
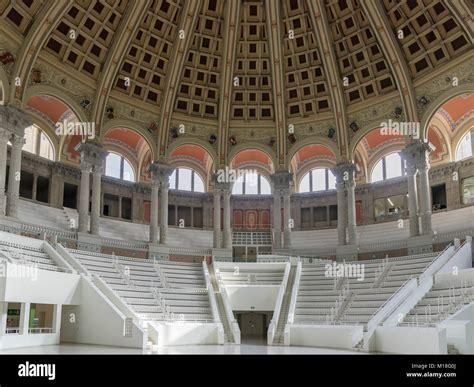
112,165
173,180
46,148
377,173
468,190
304,183
251,184
237,189
30,139
319,179
184,179
198,183
379,208
265,188
331,180
393,165
128,173
464,149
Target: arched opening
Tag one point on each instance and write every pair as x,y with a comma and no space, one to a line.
311,166
378,152
129,154
195,158
119,167
38,143
388,167
186,179
61,126
251,183
454,121
317,179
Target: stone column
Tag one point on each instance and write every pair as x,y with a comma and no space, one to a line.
412,201
227,236
14,121
286,218
351,213
92,158
161,173
4,137
164,211
84,196
276,219
425,198
96,196
341,213
154,210
14,175
217,218
281,181
416,155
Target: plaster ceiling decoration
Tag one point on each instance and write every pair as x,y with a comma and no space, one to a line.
243,70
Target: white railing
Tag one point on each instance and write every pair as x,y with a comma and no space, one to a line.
294,294
40,330
439,261
190,251
129,245
276,314
12,331
211,294
234,326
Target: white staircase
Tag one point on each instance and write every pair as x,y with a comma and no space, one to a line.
285,308
228,335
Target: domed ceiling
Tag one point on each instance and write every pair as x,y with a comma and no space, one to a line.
233,72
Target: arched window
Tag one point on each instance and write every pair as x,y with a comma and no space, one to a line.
117,166
319,179
251,184
388,167
38,143
185,179
464,148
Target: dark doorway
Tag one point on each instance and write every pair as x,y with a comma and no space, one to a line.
42,189
70,196
26,185
438,193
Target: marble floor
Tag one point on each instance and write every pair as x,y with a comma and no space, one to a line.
248,347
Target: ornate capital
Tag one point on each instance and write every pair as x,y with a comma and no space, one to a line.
14,120
160,171
281,180
91,153
344,173
416,154
17,141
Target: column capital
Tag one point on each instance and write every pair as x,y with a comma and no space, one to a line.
416,154
86,166
98,170
344,173
281,180
92,153
160,171
14,120
4,135
17,140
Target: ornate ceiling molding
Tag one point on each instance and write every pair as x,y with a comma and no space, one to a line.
321,25
273,19
128,28
373,9
187,25
225,99
42,27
